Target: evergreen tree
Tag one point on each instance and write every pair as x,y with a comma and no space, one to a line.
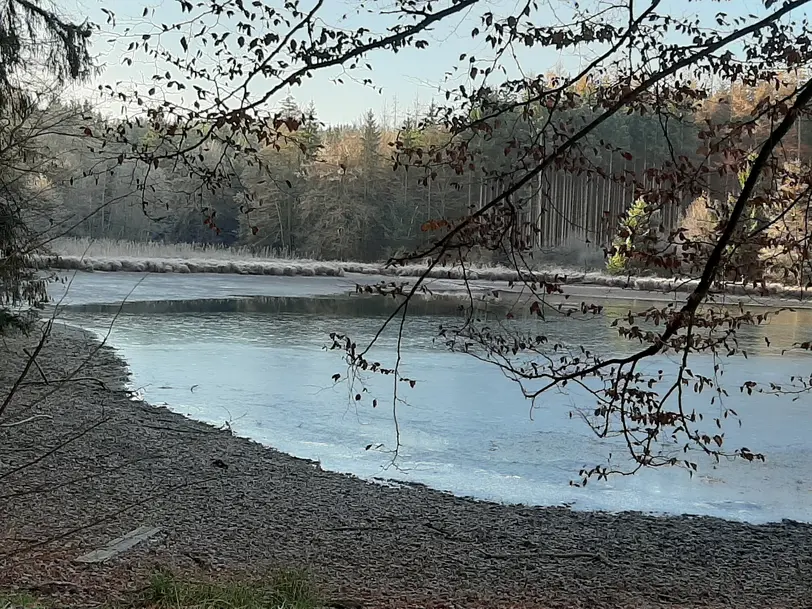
374,187
310,134
33,39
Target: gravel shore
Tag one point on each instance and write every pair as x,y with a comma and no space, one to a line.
98,465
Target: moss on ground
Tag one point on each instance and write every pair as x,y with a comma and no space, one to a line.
21,601
283,590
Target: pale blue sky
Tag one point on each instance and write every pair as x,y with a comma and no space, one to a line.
410,76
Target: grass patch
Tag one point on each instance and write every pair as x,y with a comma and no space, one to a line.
140,257
20,601
284,590
108,248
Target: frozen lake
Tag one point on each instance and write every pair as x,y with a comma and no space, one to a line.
248,350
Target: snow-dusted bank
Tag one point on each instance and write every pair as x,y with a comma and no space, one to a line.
290,268
314,268
112,256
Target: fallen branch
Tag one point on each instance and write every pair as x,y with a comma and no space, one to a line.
31,358
77,379
36,363
28,420
47,586
549,555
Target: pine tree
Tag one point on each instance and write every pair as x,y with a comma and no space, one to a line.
32,39
289,108
372,241
370,138
310,134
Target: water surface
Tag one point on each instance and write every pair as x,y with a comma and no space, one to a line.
250,352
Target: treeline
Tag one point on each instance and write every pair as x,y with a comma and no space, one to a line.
332,193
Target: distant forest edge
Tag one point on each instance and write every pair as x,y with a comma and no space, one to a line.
330,193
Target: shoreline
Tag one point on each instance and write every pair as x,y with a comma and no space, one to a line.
481,278
384,546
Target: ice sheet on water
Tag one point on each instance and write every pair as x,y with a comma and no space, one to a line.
450,420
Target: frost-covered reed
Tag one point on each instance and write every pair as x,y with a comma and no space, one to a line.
112,256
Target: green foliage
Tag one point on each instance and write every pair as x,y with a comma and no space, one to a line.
617,263
287,589
370,139
634,237
20,601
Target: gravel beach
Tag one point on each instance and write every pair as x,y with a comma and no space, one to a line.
97,465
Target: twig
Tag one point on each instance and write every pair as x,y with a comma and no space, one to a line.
39,368
53,450
45,585
50,488
549,555
28,420
96,349
77,379
355,529
28,364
